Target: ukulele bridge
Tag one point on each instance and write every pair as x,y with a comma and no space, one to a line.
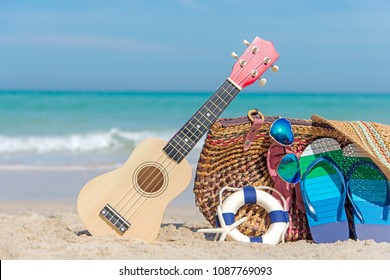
115,219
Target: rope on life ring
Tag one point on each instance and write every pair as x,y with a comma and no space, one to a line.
227,209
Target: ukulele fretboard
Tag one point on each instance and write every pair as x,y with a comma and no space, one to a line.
186,138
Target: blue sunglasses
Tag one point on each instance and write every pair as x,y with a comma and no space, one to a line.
288,167
281,132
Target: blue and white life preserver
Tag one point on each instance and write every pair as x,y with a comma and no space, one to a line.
278,215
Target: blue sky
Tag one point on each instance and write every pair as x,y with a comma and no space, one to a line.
180,45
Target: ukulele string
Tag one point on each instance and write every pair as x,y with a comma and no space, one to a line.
250,73
171,161
116,205
152,173
153,180
175,163
123,197
228,91
148,169
149,177
166,167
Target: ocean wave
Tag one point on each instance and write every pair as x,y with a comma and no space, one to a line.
111,140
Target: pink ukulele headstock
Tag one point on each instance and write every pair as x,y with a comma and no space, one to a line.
257,58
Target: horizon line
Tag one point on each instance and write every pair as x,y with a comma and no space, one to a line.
146,91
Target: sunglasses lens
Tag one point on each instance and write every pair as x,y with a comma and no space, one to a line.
281,132
288,169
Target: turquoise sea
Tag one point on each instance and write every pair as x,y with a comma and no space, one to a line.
79,130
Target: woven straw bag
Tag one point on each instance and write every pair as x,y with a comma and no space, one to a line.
223,162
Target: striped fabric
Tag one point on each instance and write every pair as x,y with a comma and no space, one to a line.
373,138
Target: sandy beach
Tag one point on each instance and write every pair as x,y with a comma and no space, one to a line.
83,83
52,230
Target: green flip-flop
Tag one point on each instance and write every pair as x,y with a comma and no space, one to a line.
369,193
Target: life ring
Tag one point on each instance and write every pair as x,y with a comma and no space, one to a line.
279,219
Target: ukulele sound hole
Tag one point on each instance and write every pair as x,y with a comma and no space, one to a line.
150,179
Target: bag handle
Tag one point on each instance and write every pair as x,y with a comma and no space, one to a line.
257,123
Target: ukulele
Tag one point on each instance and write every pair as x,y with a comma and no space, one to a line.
130,201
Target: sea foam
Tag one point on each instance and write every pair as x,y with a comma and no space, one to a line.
111,140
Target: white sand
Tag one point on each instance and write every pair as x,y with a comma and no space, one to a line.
53,230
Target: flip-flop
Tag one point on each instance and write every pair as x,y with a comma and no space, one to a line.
324,191
369,193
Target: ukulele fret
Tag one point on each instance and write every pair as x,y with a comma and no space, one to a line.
192,131
115,219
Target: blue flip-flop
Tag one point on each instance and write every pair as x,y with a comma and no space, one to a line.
324,191
369,193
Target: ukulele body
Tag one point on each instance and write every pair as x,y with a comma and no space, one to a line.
131,200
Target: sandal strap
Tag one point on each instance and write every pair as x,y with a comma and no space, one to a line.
306,199
355,207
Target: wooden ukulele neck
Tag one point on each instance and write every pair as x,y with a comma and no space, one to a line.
192,131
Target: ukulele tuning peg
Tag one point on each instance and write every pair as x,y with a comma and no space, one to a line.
234,55
266,60
262,82
254,73
275,68
246,42
255,49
